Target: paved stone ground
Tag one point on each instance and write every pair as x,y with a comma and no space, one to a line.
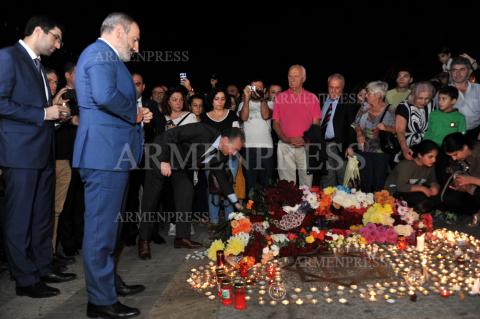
168,296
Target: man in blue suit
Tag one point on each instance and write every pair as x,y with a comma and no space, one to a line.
26,157
108,144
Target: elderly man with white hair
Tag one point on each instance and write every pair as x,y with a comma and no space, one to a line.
294,111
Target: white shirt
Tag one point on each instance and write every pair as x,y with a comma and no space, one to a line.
189,119
468,104
257,130
34,56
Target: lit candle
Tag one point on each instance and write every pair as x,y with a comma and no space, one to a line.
421,243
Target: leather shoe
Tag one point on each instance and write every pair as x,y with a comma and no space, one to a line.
117,310
125,290
186,243
144,249
38,290
57,277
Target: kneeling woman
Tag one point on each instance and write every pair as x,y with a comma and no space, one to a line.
464,194
415,180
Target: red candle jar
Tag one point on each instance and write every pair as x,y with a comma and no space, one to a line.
220,258
240,302
402,243
227,298
271,271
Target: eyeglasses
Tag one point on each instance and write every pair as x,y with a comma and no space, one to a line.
57,38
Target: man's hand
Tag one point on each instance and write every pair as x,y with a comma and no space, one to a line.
463,180
247,93
55,112
147,114
58,97
165,169
297,141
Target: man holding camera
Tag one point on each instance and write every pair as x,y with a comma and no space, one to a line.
255,111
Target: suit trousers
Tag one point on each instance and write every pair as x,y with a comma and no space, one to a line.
183,194
104,192
28,222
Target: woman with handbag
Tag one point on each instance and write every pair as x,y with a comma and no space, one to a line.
372,119
222,119
415,181
411,117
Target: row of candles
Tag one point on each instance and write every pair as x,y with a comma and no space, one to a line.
449,262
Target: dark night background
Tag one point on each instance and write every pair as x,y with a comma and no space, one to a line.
245,40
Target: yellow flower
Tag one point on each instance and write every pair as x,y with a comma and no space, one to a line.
363,241
235,246
379,214
214,247
309,239
329,190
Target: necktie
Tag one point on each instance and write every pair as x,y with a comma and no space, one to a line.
326,119
38,65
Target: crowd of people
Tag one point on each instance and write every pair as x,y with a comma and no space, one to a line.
76,160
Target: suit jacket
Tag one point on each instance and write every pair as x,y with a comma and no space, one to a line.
108,137
184,147
342,120
26,139
157,125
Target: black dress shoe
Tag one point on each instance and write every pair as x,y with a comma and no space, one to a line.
117,310
56,277
159,240
38,290
186,243
125,290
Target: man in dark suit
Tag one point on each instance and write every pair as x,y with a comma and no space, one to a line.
179,151
108,144
337,116
27,159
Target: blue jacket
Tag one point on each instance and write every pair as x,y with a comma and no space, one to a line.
108,137
26,139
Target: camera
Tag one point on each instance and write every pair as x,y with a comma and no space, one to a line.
252,88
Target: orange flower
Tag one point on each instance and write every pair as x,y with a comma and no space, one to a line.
303,231
384,197
234,223
244,226
249,204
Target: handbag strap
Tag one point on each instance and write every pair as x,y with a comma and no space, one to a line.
383,114
183,119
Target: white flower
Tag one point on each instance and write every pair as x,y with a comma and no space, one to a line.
279,238
403,230
236,216
313,200
275,250
244,237
265,225
266,250
315,229
290,209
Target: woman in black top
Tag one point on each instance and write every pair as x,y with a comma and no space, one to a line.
221,118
